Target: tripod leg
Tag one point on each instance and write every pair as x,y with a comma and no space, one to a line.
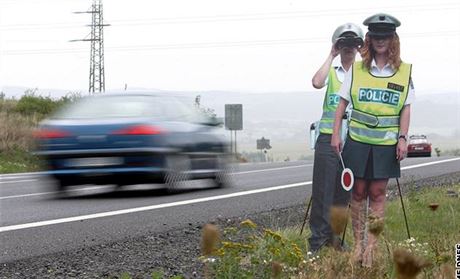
306,215
345,228
403,208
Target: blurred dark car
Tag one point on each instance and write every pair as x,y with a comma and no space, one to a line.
418,146
132,138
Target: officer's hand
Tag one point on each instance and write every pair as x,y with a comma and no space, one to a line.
336,143
401,150
335,50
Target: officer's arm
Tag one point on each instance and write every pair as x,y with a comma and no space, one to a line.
404,120
319,79
335,140
401,148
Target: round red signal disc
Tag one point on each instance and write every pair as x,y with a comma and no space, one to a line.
347,179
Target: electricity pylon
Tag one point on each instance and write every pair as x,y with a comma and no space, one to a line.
96,64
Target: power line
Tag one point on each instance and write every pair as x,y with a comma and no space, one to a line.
228,44
237,17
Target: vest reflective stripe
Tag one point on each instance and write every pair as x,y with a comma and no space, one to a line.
377,104
388,121
326,125
375,121
328,114
373,133
331,100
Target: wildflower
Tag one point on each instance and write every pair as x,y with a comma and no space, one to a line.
410,240
297,251
433,206
376,225
273,234
230,244
230,230
408,265
248,224
339,218
209,238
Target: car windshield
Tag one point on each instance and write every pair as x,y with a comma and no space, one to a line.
125,106
418,141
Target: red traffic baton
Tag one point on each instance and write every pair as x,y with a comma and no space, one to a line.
347,179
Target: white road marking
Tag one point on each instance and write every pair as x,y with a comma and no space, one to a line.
179,203
20,175
53,193
243,172
273,169
146,208
429,164
18,181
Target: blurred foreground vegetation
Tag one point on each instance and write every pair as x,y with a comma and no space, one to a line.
248,251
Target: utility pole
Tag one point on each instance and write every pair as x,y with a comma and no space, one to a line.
96,64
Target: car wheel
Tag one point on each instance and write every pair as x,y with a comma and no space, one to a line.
62,184
223,176
177,172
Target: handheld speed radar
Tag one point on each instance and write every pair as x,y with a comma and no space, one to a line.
349,42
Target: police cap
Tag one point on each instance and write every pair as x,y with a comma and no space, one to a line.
347,28
382,25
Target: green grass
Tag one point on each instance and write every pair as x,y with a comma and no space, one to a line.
440,229
14,161
435,234
18,118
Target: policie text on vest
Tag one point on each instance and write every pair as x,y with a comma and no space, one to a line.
383,96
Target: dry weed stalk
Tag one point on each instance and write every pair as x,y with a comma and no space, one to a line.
433,206
376,225
339,218
447,271
277,268
408,265
210,238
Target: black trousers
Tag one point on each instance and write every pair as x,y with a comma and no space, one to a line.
326,192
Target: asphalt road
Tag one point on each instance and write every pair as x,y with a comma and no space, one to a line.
34,222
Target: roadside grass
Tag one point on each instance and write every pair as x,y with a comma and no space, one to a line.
18,118
14,161
252,252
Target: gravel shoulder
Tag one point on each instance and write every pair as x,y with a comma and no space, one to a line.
173,252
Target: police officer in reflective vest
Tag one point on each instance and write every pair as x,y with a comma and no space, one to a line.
327,190
380,91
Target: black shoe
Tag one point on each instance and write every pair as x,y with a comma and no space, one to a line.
336,243
315,249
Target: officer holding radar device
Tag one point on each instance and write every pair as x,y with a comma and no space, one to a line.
326,188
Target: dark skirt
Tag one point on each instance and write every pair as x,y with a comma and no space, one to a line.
369,161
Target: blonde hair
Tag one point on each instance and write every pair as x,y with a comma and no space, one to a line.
368,52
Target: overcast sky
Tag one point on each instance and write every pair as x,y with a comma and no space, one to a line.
239,45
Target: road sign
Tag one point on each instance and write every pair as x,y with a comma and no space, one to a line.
234,117
263,143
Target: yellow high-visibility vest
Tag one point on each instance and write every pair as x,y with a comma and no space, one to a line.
377,104
330,103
